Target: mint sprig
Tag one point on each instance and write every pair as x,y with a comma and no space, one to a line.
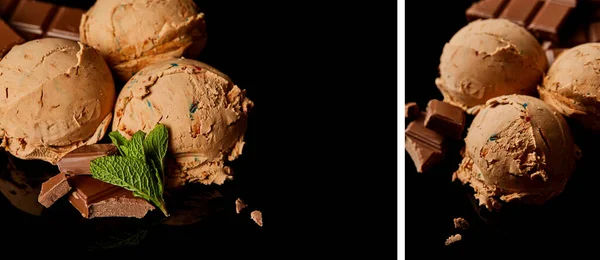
140,165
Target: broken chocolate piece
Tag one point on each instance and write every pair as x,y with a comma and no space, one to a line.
485,9
453,239
8,38
521,11
257,217
95,198
65,24
445,119
424,145
31,18
78,161
549,20
54,189
594,32
461,223
411,111
239,205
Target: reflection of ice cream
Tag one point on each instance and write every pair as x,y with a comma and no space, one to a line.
205,112
489,58
57,95
572,85
132,34
517,149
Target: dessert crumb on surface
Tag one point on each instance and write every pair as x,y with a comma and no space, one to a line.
453,239
461,223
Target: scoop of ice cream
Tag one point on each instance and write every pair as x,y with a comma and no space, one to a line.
132,34
517,148
206,115
572,85
57,95
489,58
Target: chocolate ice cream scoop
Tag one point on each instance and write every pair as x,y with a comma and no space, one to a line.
57,95
517,149
132,34
572,85
489,58
206,115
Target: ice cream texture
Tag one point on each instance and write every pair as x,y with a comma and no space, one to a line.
517,149
206,115
572,85
57,95
489,58
132,34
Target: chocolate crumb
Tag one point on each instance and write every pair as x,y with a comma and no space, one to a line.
452,239
411,111
461,223
257,217
239,205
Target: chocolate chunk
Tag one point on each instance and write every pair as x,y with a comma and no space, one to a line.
549,20
31,18
425,146
7,7
461,223
411,111
95,198
445,119
453,239
54,189
65,24
78,161
552,54
521,11
239,205
8,38
257,217
485,9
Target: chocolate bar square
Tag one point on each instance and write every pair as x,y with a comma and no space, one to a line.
425,146
445,119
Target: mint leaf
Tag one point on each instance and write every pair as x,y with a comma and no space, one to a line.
132,174
136,148
119,141
155,148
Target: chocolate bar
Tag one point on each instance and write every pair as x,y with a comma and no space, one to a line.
31,18
521,11
37,19
550,19
94,198
8,38
485,9
544,19
411,111
445,119
425,146
78,161
54,189
65,24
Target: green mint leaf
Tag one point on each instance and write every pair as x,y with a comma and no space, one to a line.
155,148
136,147
132,174
119,141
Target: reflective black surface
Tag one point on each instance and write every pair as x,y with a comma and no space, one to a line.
566,225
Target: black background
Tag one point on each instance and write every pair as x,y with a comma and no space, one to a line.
320,159
566,225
